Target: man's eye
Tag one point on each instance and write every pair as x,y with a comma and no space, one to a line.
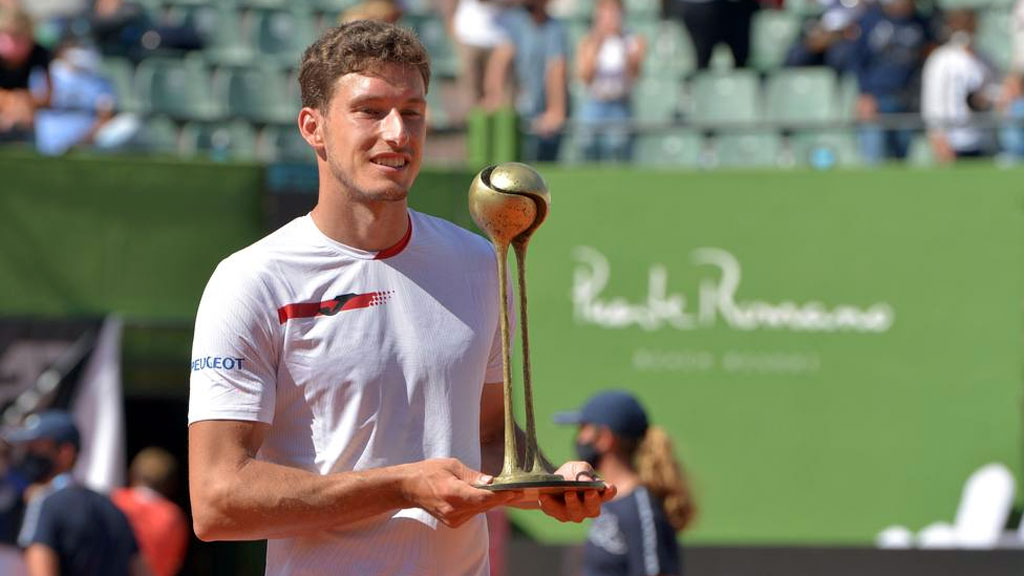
412,113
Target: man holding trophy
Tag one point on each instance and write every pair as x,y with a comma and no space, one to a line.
350,377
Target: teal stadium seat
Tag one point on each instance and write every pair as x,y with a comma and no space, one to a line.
219,26
994,37
179,88
772,32
160,135
641,8
801,95
822,149
257,94
281,35
676,148
120,73
220,141
670,52
655,100
722,98
432,32
748,150
283,143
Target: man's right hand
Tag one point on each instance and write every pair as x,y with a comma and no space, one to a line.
445,488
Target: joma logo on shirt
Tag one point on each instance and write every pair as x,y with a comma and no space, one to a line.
332,306
216,362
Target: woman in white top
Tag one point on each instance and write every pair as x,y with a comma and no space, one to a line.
608,63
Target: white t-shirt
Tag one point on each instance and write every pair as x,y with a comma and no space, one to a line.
475,23
611,74
357,360
951,73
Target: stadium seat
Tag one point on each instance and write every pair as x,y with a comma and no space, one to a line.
755,149
281,35
724,98
218,25
432,33
283,143
438,115
825,149
669,52
655,100
119,71
220,141
920,153
847,97
772,32
994,36
801,95
641,8
679,148
258,94
160,135
179,88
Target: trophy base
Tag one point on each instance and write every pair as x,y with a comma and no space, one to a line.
545,486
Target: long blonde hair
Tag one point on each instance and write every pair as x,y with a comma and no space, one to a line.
661,473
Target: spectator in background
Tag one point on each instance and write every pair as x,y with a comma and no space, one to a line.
68,529
828,40
160,526
893,42
82,105
12,505
538,46
1011,102
20,58
474,26
608,61
123,28
713,22
636,532
957,82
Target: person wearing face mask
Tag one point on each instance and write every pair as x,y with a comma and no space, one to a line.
636,532
67,528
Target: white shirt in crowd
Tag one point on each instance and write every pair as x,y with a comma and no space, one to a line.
611,68
951,73
357,360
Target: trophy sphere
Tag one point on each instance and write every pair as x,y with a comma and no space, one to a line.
508,200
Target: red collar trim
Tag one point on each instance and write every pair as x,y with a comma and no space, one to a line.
397,248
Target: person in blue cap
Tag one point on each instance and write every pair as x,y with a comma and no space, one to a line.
635,535
67,529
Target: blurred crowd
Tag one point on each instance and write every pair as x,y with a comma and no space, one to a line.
917,68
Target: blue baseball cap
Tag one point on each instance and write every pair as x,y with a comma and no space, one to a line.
56,425
619,410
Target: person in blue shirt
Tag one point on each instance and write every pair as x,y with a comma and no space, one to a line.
538,45
635,535
67,529
887,59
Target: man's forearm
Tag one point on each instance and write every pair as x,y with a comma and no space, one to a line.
265,500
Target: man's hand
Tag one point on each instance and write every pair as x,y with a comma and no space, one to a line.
867,108
576,506
445,489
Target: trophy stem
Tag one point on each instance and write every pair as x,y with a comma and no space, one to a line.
510,466
532,460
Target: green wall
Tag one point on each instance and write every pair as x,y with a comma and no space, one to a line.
866,361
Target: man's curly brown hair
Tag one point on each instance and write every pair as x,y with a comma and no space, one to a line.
362,46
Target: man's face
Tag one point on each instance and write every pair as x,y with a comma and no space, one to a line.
15,48
373,132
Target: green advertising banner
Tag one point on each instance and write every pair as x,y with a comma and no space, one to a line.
832,353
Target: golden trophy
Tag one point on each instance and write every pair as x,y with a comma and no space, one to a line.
509,202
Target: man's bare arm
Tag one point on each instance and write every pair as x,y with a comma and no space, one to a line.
41,560
237,497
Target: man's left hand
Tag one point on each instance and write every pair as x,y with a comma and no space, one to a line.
576,506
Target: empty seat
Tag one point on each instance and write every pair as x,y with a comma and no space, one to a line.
725,98
258,94
825,149
801,95
680,147
669,52
757,149
655,100
180,88
220,141
283,143
431,31
119,72
281,34
994,36
160,135
218,25
772,32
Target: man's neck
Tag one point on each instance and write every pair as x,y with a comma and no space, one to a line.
370,226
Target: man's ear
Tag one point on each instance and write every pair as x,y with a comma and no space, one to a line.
311,127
